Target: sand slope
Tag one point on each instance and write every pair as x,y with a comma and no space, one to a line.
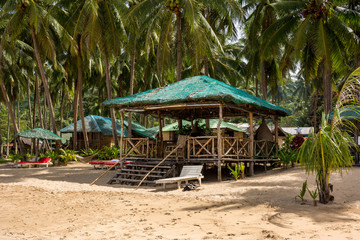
58,203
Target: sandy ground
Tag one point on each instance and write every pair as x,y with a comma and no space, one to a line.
58,203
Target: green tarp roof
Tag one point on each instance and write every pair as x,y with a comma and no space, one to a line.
39,133
195,89
349,113
98,124
213,125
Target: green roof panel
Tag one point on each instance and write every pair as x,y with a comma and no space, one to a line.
194,89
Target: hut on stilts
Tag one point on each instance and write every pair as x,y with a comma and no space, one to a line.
198,97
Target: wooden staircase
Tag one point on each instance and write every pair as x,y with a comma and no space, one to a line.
133,173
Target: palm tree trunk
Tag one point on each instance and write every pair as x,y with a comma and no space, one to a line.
15,139
8,136
43,78
37,93
178,43
29,103
76,105
18,110
263,79
109,95
206,66
81,110
132,78
324,193
8,104
1,146
327,88
62,107
45,113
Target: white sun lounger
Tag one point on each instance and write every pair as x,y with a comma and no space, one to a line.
187,173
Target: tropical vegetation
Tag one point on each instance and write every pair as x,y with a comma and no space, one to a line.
61,59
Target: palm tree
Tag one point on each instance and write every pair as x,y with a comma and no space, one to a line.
33,16
260,17
160,17
324,153
316,30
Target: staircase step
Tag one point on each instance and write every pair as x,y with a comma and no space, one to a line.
133,180
138,175
146,165
141,171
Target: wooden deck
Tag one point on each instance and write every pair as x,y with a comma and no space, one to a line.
206,149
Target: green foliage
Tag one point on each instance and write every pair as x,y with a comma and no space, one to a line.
15,157
186,130
237,171
66,155
302,191
55,157
108,153
89,153
325,152
3,161
286,154
314,194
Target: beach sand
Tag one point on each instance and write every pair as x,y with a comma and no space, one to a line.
59,203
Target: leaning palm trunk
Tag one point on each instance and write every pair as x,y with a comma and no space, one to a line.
8,104
44,80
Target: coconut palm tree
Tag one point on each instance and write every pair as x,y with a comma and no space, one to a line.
259,17
324,153
33,16
317,30
163,17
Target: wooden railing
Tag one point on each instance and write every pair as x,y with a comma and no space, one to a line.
143,147
202,147
264,149
234,147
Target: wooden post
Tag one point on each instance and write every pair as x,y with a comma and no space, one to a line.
160,147
251,146
356,140
276,133
207,122
122,134
219,142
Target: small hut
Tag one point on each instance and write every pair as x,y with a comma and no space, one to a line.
99,131
202,97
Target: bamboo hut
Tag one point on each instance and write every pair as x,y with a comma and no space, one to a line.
202,97
99,131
